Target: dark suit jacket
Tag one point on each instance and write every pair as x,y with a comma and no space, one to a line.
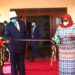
37,33
11,32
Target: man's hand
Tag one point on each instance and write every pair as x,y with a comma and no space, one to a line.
8,41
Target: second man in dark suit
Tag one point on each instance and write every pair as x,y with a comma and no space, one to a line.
36,34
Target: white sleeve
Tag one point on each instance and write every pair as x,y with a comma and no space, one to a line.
56,36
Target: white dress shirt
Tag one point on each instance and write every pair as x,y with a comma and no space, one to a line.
17,26
33,28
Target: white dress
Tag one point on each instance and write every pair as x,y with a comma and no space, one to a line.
66,50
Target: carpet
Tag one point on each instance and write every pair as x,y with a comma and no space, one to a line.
37,67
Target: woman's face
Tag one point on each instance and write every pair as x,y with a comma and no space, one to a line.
65,22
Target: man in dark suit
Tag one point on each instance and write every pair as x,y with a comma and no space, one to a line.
16,30
36,33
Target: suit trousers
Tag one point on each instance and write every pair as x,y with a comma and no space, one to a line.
17,63
34,49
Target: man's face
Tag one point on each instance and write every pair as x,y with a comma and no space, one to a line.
33,24
13,20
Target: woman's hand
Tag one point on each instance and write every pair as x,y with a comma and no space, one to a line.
53,47
53,56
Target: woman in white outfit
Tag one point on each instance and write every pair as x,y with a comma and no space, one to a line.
66,34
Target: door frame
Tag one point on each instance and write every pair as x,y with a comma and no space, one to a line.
51,12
